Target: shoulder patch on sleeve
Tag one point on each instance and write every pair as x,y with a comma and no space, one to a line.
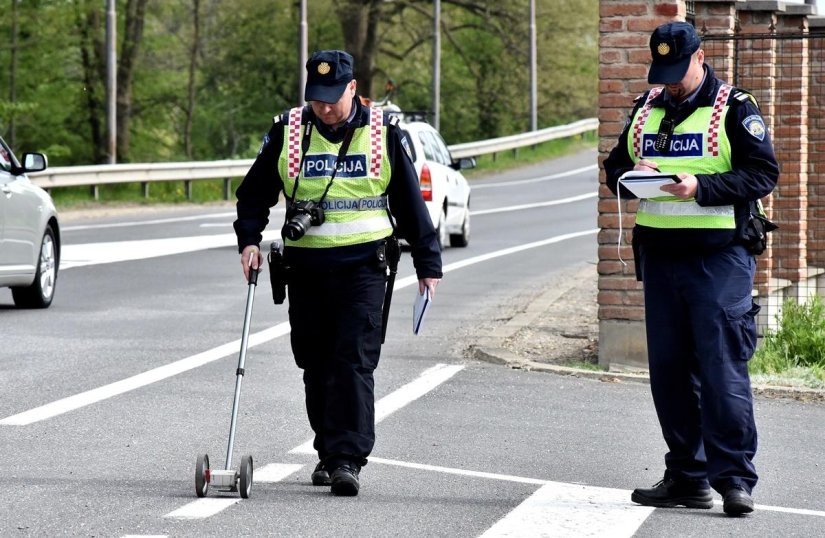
755,126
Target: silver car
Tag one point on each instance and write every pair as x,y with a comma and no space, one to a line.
29,232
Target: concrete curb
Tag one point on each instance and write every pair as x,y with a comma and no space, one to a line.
490,348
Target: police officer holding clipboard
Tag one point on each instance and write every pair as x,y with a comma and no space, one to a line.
341,166
695,246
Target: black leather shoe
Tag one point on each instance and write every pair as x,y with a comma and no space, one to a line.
669,493
345,481
320,476
737,501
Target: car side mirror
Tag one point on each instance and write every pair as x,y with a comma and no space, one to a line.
34,162
464,163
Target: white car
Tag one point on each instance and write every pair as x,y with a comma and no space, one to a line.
29,232
444,188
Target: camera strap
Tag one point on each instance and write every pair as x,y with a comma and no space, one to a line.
305,147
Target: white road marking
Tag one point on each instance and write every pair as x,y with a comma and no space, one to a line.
275,472
568,509
427,381
568,173
202,508
120,251
209,506
561,510
163,372
168,220
141,380
572,199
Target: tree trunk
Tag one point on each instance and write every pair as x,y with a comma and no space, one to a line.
193,66
133,35
359,23
92,57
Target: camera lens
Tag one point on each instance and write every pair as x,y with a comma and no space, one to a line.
297,226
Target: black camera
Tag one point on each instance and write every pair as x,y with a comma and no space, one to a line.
300,216
278,272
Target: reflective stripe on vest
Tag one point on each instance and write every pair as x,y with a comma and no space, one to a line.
699,145
355,206
681,214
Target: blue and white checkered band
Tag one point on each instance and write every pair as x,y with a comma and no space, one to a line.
681,145
755,126
264,144
322,165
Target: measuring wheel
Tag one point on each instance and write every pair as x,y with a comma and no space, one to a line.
246,477
202,475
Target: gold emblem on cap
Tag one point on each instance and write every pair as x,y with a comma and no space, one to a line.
663,49
323,68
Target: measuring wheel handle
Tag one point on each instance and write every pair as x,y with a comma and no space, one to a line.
245,480
203,475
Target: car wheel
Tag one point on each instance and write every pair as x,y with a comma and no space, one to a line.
41,292
441,229
462,239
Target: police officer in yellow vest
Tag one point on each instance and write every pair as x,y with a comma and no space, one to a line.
694,249
352,162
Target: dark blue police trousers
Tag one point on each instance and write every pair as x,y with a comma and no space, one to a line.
336,319
701,332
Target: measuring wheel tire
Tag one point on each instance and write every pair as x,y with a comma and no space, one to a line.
245,484
202,475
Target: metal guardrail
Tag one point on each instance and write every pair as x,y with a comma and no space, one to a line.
72,176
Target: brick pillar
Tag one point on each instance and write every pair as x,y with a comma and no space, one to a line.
757,73
624,36
790,199
816,144
718,17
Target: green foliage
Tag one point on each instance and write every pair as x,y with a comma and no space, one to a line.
247,71
797,347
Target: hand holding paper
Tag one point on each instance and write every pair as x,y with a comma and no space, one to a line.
646,184
420,306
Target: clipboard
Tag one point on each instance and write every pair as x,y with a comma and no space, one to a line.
644,184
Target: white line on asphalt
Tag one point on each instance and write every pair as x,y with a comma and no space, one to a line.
140,380
119,387
202,508
120,251
607,493
560,510
572,199
427,381
568,173
275,472
146,222
209,506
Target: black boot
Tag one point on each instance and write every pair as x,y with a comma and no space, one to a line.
737,501
320,476
345,480
669,493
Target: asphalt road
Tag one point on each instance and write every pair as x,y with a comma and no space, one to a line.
110,395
